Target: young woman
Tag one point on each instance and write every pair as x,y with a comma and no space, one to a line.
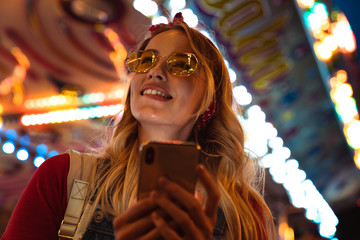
179,90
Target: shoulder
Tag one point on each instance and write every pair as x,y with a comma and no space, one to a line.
54,166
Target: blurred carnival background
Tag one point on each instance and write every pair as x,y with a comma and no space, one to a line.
293,63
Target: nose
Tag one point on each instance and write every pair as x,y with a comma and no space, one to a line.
158,71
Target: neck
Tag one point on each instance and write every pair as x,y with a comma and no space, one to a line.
162,133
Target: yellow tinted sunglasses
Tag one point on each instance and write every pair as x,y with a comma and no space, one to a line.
178,64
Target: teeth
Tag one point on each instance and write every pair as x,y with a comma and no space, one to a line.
154,92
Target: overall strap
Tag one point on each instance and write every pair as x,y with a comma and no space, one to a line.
79,173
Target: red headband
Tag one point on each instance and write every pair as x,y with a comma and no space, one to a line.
178,18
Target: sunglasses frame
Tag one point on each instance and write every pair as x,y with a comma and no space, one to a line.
167,62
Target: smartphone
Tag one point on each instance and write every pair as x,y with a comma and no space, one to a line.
175,160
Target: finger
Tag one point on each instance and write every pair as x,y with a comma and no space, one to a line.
136,211
213,193
155,233
182,218
200,197
164,229
186,200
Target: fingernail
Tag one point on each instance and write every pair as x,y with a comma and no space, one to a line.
163,181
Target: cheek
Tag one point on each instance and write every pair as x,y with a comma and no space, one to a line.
195,92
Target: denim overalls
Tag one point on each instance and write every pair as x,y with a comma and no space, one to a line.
101,228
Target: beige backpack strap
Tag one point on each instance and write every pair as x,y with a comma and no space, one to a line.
79,173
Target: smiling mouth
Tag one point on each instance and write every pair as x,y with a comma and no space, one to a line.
155,93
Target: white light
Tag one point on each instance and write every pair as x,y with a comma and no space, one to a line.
314,21
291,164
242,97
276,142
270,131
22,154
177,4
232,75
347,109
8,147
190,18
161,19
353,134
320,10
256,114
311,214
327,230
285,152
267,160
257,146
38,161
146,7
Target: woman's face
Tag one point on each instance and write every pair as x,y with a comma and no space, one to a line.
159,99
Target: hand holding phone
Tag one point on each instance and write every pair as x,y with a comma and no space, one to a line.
175,160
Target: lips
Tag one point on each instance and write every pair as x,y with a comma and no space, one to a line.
151,91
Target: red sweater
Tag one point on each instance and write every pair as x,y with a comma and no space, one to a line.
41,208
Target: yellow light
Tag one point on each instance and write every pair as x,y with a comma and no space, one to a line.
20,57
343,34
330,42
357,158
289,234
318,34
341,75
71,115
345,90
352,132
325,24
286,232
322,51
1,109
119,53
306,3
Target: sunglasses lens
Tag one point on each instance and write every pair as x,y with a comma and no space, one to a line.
140,61
182,64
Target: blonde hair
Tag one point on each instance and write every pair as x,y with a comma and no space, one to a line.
238,177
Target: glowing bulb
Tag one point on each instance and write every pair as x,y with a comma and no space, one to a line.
232,75
8,147
322,51
177,4
306,3
11,134
330,42
242,97
38,161
341,75
41,149
343,34
52,153
190,18
146,7
353,134
22,154
160,19
357,158
276,142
